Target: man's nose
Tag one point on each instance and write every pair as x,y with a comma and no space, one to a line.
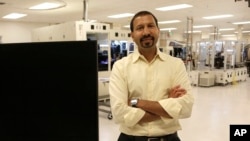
146,31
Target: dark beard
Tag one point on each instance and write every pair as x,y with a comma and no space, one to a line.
147,44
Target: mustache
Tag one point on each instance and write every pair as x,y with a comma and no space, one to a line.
147,37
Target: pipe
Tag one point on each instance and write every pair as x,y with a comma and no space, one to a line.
85,10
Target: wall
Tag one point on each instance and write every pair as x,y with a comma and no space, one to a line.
17,32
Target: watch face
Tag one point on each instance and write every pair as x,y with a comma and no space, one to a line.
133,102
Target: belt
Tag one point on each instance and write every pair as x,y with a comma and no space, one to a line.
169,137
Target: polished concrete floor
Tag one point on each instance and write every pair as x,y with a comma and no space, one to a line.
214,110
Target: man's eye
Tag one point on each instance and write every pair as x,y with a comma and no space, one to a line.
151,26
139,28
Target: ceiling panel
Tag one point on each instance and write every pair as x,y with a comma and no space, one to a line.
100,9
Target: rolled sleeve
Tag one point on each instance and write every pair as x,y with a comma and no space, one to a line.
172,107
133,116
180,107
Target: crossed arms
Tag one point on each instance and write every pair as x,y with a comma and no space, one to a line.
153,109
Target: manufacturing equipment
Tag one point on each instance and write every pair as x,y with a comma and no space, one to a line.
246,57
219,63
121,44
75,31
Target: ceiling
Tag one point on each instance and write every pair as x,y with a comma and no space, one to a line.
100,9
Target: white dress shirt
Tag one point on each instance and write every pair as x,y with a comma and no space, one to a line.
134,76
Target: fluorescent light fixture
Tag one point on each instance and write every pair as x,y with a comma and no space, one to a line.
174,7
14,16
218,17
228,35
168,22
168,29
202,26
121,15
243,32
45,6
246,22
194,31
214,33
226,29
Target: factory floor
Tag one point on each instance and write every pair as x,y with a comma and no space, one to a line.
214,110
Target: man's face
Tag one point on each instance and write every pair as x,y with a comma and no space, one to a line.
146,32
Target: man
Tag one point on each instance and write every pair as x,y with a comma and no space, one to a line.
149,90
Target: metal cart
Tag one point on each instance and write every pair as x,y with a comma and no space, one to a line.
104,101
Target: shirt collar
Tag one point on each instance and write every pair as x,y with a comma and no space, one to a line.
159,54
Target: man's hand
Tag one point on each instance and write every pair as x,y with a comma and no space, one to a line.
176,92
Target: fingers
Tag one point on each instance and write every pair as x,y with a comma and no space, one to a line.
176,95
176,89
176,92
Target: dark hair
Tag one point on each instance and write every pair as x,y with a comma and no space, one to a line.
141,13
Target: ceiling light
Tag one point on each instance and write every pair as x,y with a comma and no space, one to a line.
14,16
46,6
226,29
121,15
168,22
214,33
228,35
168,29
218,17
194,31
202,26
174,7
246,22
243,32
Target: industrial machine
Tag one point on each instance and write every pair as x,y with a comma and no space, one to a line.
121,44
219,63
78,30
206,78
246,57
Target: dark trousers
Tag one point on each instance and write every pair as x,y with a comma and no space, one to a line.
171,137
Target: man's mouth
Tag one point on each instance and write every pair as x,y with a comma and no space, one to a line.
147,39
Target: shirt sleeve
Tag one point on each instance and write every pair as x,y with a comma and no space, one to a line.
122,113
180,107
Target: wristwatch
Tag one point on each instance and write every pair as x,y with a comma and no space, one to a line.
133,102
